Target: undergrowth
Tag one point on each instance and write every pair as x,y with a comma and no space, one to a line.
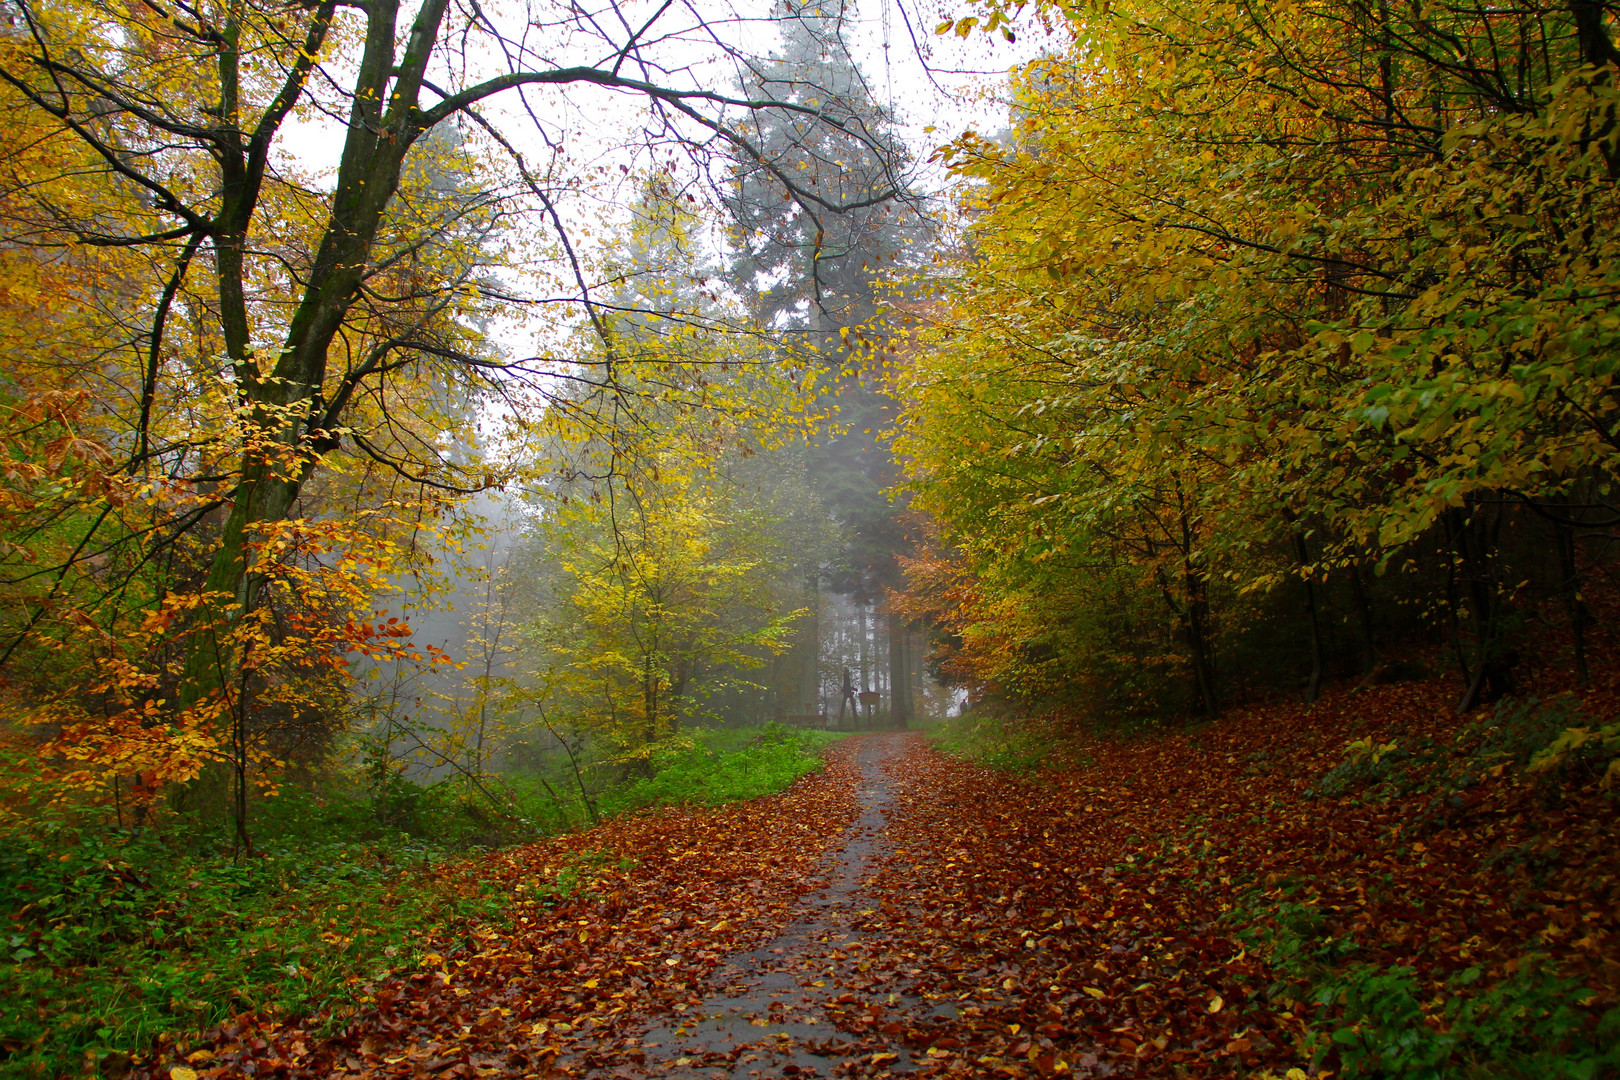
999,743
723,765
1524,1027
1384,1020
1516,734
117,937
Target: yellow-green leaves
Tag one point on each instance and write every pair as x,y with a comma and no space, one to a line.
1244,266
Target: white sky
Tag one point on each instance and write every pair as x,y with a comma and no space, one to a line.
939,82
945,83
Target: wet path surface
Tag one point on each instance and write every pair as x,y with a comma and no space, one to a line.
783,1009
897,913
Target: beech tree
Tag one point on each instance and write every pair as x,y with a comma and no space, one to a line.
1329,279
319,297
666,562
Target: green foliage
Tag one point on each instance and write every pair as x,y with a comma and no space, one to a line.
723,766
1517,734
1582,746
1294,935
1224,323
1000,742
1526,1025
115,938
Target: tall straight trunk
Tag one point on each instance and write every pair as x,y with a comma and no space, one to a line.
771,699
899,675
1313,686
1574,603
810,670
240,760
1196,623
1454,605
1369,635
864,643
677,690
883,675
1476,532
1198,638
916,653
649,700
1191,612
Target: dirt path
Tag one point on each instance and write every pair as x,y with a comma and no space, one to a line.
773,1012
900,912
895,913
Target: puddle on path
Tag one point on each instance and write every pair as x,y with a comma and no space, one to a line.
814,996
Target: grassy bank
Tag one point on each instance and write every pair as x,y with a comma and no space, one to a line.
723,765
116,939
1022,745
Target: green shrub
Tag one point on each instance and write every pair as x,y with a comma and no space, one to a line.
1517,733
1530,1025
705,772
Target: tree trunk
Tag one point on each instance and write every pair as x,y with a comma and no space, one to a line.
677,688
649,700
1574,603
810,673
228,589
899,675
1369,636
916,653
1313,686
1475,540
291,409
240,748
1191,613
1198,640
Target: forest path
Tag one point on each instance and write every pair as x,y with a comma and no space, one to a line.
773,1012
898,912
901,912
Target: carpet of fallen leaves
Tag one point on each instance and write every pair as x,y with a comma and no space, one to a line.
681,889
1087,921
1082,921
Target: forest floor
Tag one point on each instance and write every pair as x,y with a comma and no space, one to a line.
1238,899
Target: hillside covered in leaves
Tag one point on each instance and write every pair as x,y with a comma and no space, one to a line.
1244,898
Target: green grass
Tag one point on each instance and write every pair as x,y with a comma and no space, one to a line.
724,765
116,940
1000,742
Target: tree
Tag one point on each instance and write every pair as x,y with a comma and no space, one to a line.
665,558
671,592
821,278
316,299
1299,276
813,270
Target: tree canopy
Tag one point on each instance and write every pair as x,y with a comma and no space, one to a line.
1256,294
